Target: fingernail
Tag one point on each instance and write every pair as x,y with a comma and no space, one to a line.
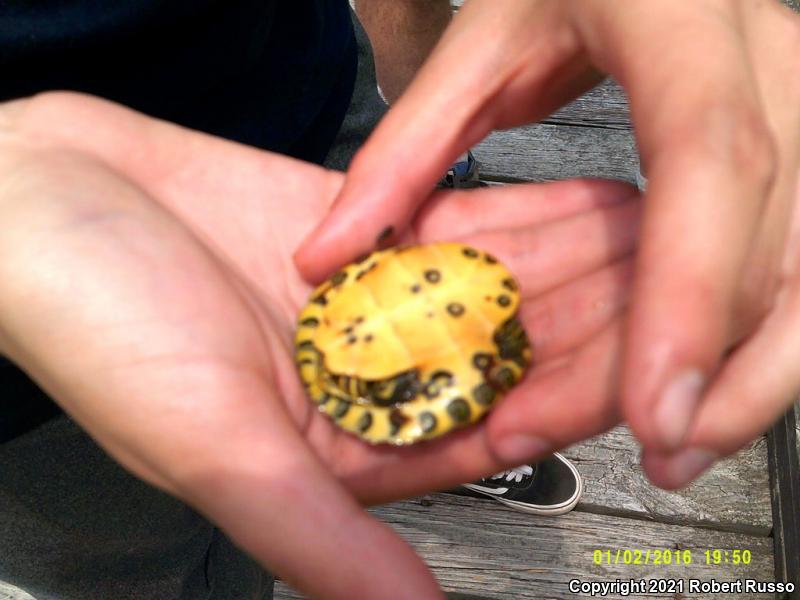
685,466
520,447
676,406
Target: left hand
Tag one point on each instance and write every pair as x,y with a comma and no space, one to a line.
711,346
153,295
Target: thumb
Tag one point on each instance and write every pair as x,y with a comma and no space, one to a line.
465,90
276,500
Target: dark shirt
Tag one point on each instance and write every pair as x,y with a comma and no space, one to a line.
277,74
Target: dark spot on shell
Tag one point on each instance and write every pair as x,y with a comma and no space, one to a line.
456,309
341,409
416,288
427,421
338,278
482,360
446,377
484,394
459,411
310,322
395,390
359,320
365,422
306,345
487,298
433,276
490,259
368,338
351,339
305,361
348,329
503,378
362,258
323,399
470,252
511,342
503,300
510,284
397,419
384,236
321,300
439,380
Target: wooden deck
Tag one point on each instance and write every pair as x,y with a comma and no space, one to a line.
480,549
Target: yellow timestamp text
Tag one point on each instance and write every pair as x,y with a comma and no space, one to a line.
669,556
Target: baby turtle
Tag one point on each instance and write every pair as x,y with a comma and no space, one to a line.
412,342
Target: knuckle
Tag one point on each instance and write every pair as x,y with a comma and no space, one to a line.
753,151
756,300
733,133
753,307
734,136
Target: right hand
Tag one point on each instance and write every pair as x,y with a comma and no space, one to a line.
148,286
721,225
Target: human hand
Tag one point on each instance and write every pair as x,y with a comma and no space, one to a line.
149,289
710,348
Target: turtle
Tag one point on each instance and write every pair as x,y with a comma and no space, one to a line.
410,343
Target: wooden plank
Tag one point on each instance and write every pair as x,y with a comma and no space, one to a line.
545,152
797,421
734,495
480,549
604,106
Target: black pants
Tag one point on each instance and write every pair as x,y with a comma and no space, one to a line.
74,525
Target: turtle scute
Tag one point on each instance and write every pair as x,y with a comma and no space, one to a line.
410,343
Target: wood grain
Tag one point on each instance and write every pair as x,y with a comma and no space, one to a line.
480,549
546,152
732,496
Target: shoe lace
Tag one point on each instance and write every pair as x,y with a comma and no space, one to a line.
516,474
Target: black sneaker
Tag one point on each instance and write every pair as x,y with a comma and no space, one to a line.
463,174
551,487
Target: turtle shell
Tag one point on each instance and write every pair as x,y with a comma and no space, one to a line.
412,342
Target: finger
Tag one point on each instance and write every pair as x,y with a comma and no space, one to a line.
559,321
447,109
571,398
751,405
272,496
709,156
548,256
773,30
461,213
757,385
568,403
